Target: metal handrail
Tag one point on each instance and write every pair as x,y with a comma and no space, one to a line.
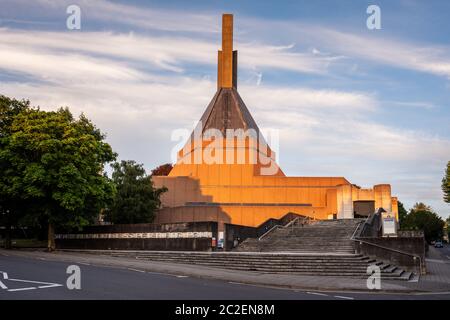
278,226
269,231
386,248
356,229
394,250
291,222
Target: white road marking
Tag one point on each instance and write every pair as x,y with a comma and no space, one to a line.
50,286
84,263
23,289
342,297
3,286
42,286
317,294
137,270
30,281
5,277
166,274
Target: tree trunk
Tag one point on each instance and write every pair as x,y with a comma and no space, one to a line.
8,244
51,238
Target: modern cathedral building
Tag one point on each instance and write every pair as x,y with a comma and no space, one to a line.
227,173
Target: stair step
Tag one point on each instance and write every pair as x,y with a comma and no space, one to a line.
321,248
390,269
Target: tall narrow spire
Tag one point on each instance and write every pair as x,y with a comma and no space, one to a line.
227,58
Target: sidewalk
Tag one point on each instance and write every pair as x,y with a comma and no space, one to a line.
437,278
437,281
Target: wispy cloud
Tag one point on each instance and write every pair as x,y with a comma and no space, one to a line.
132,16
411,104
394,52
422,57
400,53
133,83
56,67
168,53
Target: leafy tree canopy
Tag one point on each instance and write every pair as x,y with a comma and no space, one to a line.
8,109
422,217
136,199
54,163
402,212
11,208
420,206
446,184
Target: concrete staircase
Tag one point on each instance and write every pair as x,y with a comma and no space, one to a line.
322,248
332,236
345,265
325,247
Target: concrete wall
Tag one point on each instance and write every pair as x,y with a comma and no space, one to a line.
409,242
238,196
383,199
175,236
182,244
411,245
344,202
240,215
252,199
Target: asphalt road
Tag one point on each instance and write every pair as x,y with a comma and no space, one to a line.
444,252
37,279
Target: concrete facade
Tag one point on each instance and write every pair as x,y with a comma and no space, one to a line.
243,185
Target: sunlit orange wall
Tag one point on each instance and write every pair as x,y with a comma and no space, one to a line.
243,184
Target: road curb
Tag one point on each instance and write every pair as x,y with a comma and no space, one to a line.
66,257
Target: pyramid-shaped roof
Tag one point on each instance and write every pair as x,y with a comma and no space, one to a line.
227,110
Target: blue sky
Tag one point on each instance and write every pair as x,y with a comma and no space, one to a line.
370,105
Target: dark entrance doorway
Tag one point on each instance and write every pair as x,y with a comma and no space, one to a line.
362,209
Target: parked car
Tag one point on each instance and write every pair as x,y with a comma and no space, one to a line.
438,244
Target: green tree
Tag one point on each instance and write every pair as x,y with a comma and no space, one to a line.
446,184
136,199
11,205
54,164
402,213
420,206
9,108
420,218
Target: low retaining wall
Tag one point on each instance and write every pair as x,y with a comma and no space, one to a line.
376,247
169,244
406,250
191,236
